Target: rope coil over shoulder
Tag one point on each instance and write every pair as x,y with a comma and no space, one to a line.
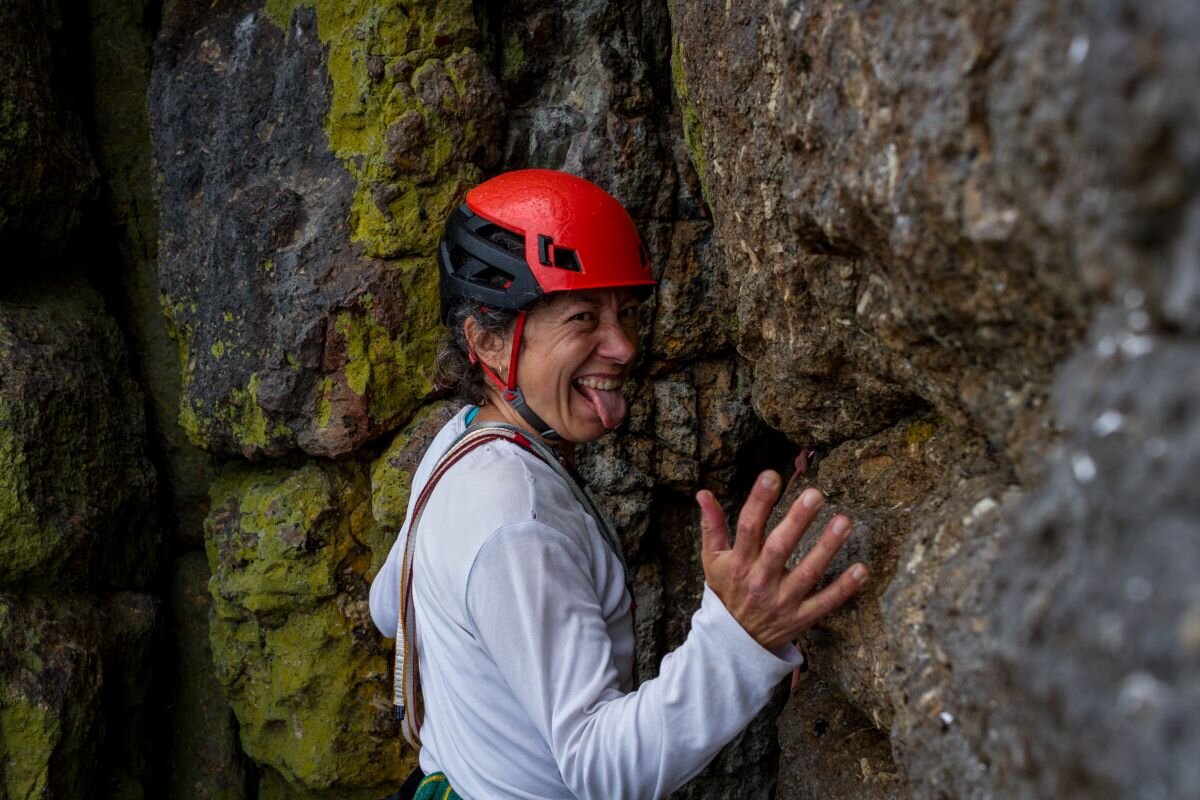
406,693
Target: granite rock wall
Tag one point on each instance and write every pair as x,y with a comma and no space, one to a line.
939,261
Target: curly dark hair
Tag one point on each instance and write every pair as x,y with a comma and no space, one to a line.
453,370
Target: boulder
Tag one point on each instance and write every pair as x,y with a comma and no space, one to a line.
76,706
304,668
77,491
301,209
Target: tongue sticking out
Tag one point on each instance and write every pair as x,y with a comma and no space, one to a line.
609,405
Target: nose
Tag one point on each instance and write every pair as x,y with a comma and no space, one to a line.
618,343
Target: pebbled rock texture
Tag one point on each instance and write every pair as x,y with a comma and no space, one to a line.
300,208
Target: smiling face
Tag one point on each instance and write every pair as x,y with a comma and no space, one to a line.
576,353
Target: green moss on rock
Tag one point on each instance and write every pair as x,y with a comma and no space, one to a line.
392,473
76,489
693,124
385,60
305,671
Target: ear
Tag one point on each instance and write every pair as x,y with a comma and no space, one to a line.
491,348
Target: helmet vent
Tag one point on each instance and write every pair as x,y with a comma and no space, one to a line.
565,258
510,241
493,277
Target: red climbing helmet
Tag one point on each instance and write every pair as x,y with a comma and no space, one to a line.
531,232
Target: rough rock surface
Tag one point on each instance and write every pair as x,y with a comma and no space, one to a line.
392,474
921,210
120,38
76,488
299,210
75,707
206,757
303,666
951,248
47,175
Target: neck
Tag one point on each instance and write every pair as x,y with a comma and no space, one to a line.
496,410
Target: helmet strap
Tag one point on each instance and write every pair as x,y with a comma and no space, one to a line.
512,393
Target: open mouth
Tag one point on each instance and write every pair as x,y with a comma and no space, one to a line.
604,396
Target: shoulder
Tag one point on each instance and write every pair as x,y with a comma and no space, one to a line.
504,484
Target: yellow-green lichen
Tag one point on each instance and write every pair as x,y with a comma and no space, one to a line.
30,735
922,430
247,419
393,369
281,543
693,124
191,420
512,59
371,48
324,403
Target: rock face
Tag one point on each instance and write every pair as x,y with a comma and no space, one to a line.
295,649
76,712
47,174
76,487
300,209
940,261
922,211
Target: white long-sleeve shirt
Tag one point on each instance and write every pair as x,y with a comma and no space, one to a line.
525,640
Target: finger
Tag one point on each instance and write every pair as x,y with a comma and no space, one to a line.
832,596
714,535
808,573
753,516
778,547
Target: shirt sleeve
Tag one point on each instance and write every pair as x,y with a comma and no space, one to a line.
384,597
536,610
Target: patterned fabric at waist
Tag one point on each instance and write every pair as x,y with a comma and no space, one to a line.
436,787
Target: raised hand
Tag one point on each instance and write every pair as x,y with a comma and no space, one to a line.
770,601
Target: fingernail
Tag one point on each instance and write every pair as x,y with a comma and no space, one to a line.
841,526
812,498
769,480
858,572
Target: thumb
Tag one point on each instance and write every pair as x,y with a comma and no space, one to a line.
714,535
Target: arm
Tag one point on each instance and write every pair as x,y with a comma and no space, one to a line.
536,609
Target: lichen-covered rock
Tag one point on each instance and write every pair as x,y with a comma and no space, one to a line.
305,670
74,692
301,209
50,709
206,759
392,474
47,176
76,488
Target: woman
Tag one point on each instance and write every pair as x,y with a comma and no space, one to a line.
519,610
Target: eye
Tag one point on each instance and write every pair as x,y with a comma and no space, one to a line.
583,316
629,312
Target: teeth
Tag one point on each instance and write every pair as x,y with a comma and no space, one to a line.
598,383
